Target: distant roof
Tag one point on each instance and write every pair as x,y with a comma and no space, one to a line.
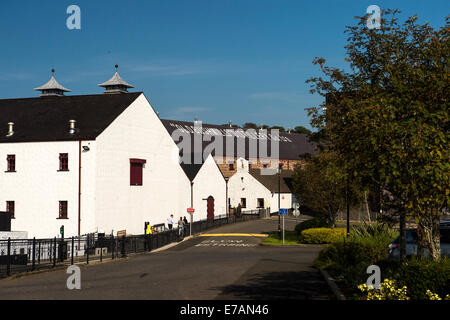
51,85
116,80
47,118
292,146
271,181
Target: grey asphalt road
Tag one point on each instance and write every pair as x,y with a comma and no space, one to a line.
201,268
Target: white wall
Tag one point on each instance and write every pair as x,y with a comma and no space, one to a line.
243,185
138,133
37,187
209,181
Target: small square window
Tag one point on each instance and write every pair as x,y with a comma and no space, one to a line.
260,203
243,203
231,166
11,163
10,206
63,162
62,210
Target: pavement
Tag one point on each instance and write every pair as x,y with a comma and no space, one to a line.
224,263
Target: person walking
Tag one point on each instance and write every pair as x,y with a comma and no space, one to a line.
181,227
170,222
185,225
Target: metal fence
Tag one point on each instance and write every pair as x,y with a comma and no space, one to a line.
22,255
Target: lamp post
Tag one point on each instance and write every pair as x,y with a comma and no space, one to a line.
279,200
226,197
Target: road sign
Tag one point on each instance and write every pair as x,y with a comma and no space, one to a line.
296,212
296,205
283,212
190,210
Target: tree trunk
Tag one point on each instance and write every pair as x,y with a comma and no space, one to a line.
429,235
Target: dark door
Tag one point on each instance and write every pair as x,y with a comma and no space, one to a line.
210,208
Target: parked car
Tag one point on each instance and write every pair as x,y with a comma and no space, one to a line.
411,242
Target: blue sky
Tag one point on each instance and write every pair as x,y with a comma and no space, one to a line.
242,60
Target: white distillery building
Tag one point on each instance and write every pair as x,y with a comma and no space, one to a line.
254,190
208,188
89,163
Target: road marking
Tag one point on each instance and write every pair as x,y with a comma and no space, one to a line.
234,235
225,243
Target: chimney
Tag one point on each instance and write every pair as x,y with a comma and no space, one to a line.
230,124
195,119
72,129
10,129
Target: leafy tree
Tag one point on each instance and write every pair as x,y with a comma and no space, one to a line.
301,129
320,185
250,125
387,118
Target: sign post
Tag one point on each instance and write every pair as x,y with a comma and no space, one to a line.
283,212
191,212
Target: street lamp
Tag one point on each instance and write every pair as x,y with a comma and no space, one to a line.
226,197
279,201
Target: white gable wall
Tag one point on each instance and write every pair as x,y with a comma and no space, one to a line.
243,185
209,181
138,133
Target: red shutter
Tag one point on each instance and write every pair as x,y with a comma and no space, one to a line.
136,166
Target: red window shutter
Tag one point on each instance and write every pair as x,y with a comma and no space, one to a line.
136,175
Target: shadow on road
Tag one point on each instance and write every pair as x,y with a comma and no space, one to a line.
303,285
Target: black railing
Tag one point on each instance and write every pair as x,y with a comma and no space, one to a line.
22,255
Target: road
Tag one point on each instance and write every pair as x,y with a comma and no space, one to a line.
201,268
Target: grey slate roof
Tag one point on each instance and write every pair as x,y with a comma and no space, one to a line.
271,181
115,81
47,118
292,147
52,84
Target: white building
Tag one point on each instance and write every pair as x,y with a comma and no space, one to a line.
208,189
90,163
253,190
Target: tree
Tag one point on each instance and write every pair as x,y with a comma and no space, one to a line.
301,129
387,118
320,185
250,125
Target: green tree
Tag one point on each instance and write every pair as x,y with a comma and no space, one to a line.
387,117
301,129
320,185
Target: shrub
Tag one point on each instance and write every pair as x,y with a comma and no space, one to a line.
420,275
322,235
389,290
348,259
311,223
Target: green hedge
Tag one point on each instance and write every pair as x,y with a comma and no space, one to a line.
311,223
322,235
